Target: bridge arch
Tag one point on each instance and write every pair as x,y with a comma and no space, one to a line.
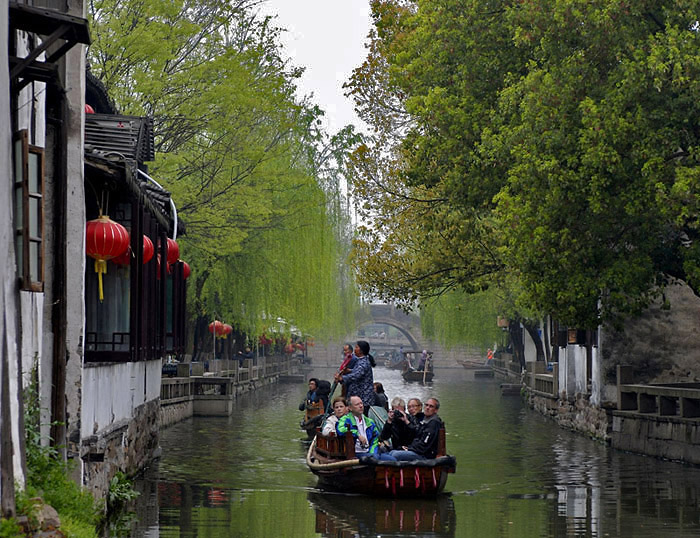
407,324
415,342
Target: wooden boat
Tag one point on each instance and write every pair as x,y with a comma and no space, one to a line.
418,375
333,461
409,373
472,364
313,416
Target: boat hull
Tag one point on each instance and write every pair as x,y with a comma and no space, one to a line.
423,478
417,375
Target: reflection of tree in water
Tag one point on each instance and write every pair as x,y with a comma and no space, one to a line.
345,516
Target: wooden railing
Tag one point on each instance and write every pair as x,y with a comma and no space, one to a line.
662,399
507,363
542,382
192,380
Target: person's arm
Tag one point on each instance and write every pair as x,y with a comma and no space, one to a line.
343,425
373,438
358,371
329,425
386,431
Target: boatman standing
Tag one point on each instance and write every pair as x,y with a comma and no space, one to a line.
360,381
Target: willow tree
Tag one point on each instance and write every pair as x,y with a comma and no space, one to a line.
558,143
241,153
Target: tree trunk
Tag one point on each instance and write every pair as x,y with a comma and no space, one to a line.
534,333
516,338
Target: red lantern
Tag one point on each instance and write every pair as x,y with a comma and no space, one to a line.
264,340
147,249
125,259
104,240
89,109
173,251
168,268
216,328
186,271
227,329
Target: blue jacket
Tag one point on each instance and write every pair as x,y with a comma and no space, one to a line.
347,423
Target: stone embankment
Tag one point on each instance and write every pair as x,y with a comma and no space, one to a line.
192,391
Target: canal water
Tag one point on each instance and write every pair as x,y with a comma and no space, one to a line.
518,475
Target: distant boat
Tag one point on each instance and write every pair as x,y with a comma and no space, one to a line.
418,375
409,373
472,364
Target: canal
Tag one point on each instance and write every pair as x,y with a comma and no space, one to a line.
518,475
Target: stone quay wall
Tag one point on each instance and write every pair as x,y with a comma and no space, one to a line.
664,437
577,415
129,445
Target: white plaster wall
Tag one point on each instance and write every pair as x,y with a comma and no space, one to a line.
74,65
581,369
9,345
563,365
153,379
529,345
596,378
32,101
32,305
569,372
110,393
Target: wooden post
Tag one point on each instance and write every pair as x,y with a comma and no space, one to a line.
349,446
7,479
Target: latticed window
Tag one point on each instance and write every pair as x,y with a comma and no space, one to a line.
29,211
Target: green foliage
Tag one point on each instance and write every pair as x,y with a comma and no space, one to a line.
457,319
120,515
547,148
9,528
255,178
48,477
120,492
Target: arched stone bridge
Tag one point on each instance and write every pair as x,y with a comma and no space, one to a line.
406,324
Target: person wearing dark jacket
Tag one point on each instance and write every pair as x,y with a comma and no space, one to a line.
397,426
360,381
311,396
380,397
425,443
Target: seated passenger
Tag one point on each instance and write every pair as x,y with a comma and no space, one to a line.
339,410
397,427
425,444
362,428
415,411
380,397
311,396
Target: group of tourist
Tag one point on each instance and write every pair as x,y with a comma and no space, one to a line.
409,433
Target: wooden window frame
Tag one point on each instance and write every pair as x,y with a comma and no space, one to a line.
22,146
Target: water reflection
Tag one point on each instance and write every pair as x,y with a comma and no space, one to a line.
518,475
343,516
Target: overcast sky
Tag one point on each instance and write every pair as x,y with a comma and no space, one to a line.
327,38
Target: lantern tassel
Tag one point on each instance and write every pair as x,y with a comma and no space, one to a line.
100,267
